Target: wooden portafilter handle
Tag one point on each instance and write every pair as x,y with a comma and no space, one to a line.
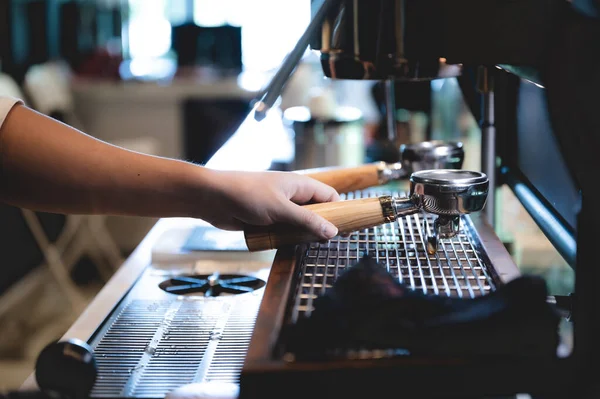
347,216
345,180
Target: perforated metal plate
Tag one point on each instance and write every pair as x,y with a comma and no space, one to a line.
155,342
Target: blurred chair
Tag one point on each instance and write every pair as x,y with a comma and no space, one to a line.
48,88
54,249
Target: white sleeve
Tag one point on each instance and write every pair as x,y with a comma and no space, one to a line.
6,104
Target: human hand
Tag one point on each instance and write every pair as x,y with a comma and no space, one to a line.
264,198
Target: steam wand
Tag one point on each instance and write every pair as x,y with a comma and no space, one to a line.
267,97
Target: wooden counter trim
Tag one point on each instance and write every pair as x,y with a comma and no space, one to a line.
271,315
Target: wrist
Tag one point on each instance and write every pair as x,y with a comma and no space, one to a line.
201,191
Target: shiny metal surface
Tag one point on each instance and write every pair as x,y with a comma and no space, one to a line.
443,227
485,86
456,269
388,208
388,172
434,154
406,206
342,66
155,341
390,111
447,193
450,192
381,40
425,155
447,226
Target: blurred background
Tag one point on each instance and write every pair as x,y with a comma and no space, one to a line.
176,78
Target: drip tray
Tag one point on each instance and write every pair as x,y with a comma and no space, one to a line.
179,325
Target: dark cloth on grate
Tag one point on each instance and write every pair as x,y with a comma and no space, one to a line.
367,308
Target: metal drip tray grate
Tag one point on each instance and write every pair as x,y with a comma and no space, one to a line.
149,347
457,269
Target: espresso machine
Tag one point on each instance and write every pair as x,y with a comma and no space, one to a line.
393,41
528,71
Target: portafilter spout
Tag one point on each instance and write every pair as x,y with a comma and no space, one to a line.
447,193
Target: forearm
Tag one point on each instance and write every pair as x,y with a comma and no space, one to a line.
48,166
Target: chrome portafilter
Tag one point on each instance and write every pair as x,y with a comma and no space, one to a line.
413,158
424,155
435,154
448,194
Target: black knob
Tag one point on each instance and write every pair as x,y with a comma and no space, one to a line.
25,395
67,369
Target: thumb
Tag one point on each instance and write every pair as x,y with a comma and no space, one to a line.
316,224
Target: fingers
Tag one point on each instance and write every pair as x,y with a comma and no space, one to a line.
300,216
313,190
